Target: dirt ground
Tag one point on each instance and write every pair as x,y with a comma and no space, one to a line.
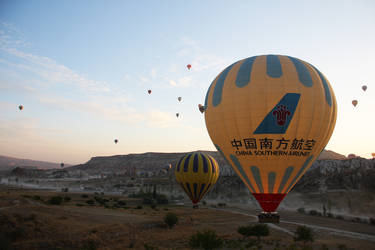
27,221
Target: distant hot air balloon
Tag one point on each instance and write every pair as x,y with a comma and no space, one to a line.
364,87
270,116
177,114
116,141
197,173
188,66
62,165
354,102
179,98
149,91
373,155
201,108
351,156
20,107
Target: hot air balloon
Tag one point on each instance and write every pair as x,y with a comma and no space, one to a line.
201,108
20,107
116,141
364,87
179,98
351,156
373,155
62,165
197,173
270,116
177,114
354,102
149,91
188,66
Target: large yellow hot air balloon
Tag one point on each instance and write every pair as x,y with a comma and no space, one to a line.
270,117
197,173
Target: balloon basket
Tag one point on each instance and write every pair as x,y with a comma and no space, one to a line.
265,217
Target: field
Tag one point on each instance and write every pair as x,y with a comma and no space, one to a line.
28,220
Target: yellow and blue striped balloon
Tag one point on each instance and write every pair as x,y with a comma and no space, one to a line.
197,173
270,116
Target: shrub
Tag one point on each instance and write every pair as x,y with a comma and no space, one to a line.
206,240
90,202
67,199
139,207
304,234
153,206
5,243
257,230
260,230
36,198
301,210
55,200
121,203
313,212
84,196
170,219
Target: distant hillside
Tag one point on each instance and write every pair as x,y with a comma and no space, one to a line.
152,161
8,163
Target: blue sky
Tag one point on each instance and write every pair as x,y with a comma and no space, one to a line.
82,70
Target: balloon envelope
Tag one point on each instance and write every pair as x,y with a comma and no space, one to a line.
354,102
197,173
351,156
201,108
179,98
116,141
62,165
270,117
364,87
373,155
188,66
149,91
177,114
20,107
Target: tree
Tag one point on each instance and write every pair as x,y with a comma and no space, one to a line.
207,240
257,230
170,219
304,234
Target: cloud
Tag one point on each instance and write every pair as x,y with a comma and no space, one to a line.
153,73
109,108
46,68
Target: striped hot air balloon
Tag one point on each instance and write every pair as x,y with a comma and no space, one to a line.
197,173
270,116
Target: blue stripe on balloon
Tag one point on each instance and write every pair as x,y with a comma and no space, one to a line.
274,66
201,190
212,164
299,173
237,164
286,177
195,185
195,163
179,163
256,175
302,71
218,90
244,73
271,181
186,163
205,163
189,189
206,99
325,86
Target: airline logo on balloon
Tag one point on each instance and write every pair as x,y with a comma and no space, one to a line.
278,119
276,122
